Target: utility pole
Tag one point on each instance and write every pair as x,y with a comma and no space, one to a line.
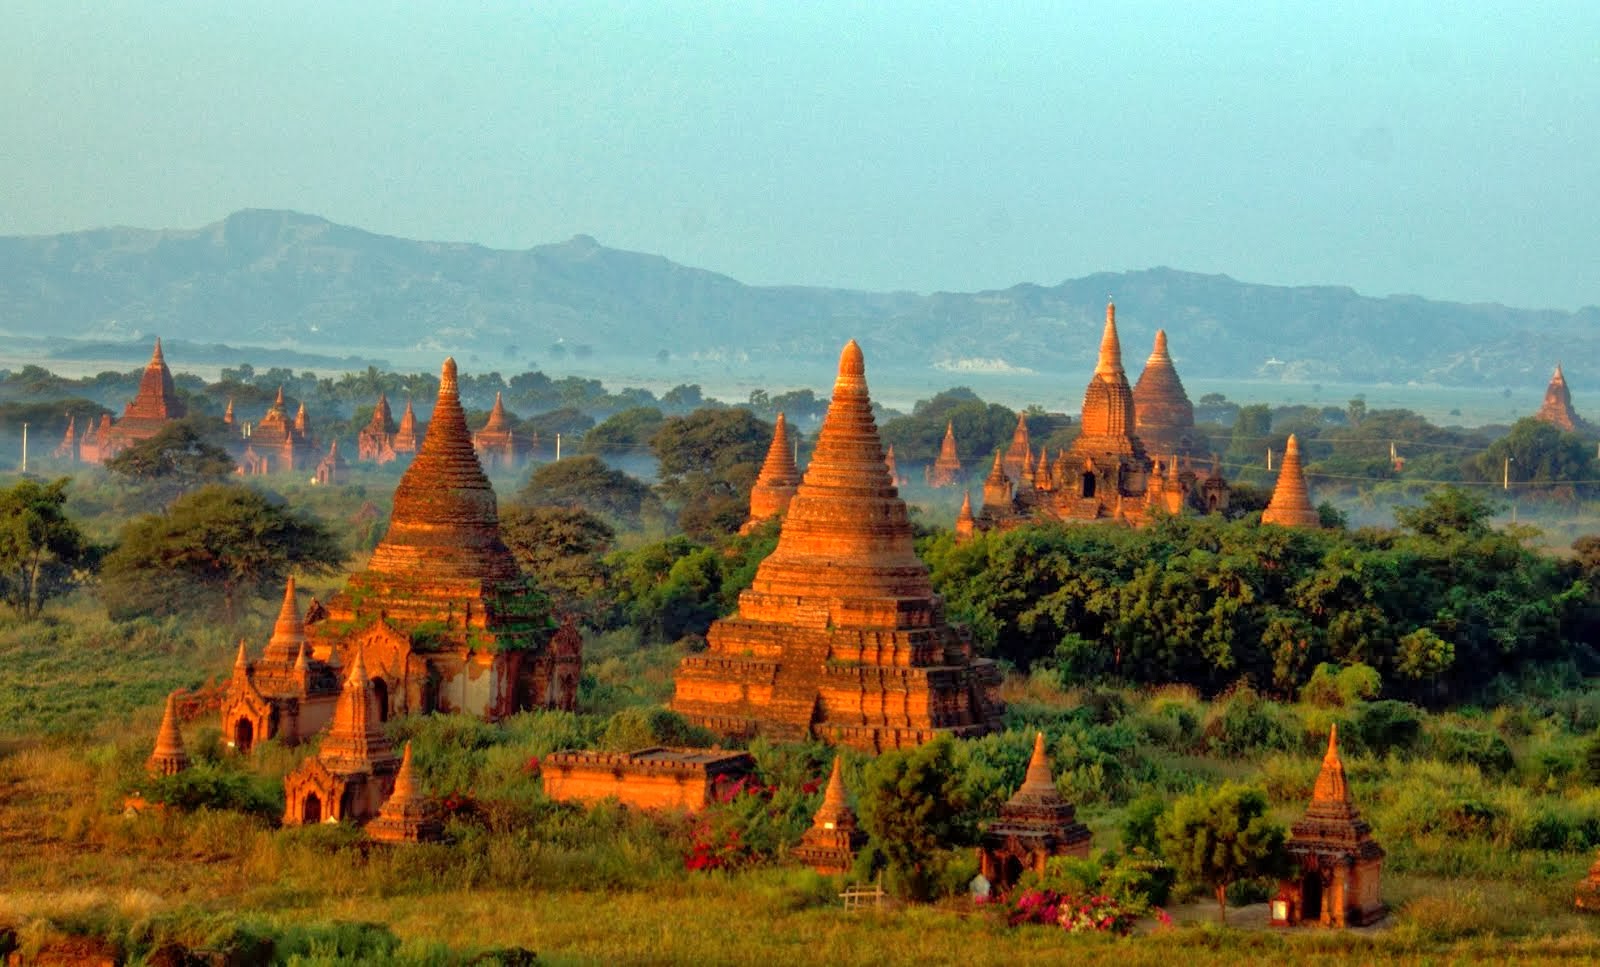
558,448
1269,458
1505,475
24,448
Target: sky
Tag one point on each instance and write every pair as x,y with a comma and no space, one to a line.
1450,150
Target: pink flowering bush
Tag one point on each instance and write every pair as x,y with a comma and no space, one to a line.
1078,914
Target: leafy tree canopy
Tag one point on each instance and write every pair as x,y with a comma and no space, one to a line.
41,549
586,482
1219,837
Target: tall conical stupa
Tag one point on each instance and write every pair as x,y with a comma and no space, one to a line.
169,756
840,635
1291,502
946,470
407,815
1108,417
1163,417
779,479
1557,407
154,406
1018,461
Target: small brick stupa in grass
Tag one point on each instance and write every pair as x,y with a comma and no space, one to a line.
946,470
169,757
407,815
830,845
840,636
1339,862
1291,501
777,482
1034,825
1587,896
354,772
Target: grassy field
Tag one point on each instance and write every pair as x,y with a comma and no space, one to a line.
1482,854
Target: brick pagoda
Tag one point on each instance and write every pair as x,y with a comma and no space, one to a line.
375,441
946,470
1339,862
285,695
406,435
279,444
169,756
332,469
154,406
1035,824
841,636
1587,896
777,482
1291,501
830,845
1557,407
354,770
1018,459
1163,417
499,447
407,815
1107,473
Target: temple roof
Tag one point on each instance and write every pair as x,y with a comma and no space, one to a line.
1159,399
1332,823
847,533
445,521
289,631
947,449
1291,502
1036,808
157,398
382,418
835,811
408,420
498,421
1108,418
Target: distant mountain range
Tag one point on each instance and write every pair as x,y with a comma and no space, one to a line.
286,280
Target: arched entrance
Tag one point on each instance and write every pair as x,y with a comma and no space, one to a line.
244,735
1087,490
311,809
380,692
1311,898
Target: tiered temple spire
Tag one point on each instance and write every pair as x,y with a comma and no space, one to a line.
830,845
407,815
1291,502
1339,862
779,479
1035,824
1557,407
169,756
946,470
840,634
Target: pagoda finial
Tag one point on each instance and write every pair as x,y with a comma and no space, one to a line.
1161,343
851,360
156,357
1332,787
169,755
241,663
405,785
1038,765
1110,362
834,797
447,378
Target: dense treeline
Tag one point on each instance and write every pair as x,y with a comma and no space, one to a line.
1440,608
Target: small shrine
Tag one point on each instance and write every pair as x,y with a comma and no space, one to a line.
1556,409
333,469
169,756
653,778
407,815
1035,824
354,771
499,446
830,845
1339,863
1587,897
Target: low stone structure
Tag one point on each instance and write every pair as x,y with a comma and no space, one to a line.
1291,501
777,482
407,815
169,756
840,636
653,778
1339,863
354,771
333,469
830,845
1035,824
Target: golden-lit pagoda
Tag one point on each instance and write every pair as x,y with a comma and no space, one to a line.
1035,824
1291,501
946,470
840,636
1339,862
776,484
830,845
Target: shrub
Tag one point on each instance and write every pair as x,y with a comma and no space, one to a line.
640,728
1333,687
1486,750
1244,724
210,787
1387,726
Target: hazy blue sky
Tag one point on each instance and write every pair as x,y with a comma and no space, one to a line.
1449,149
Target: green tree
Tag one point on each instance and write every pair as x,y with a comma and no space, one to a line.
626,433
1219,837
1539,454
41,549
586,482
181,456
562,549
708,462
212,548
915,807
1449,512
